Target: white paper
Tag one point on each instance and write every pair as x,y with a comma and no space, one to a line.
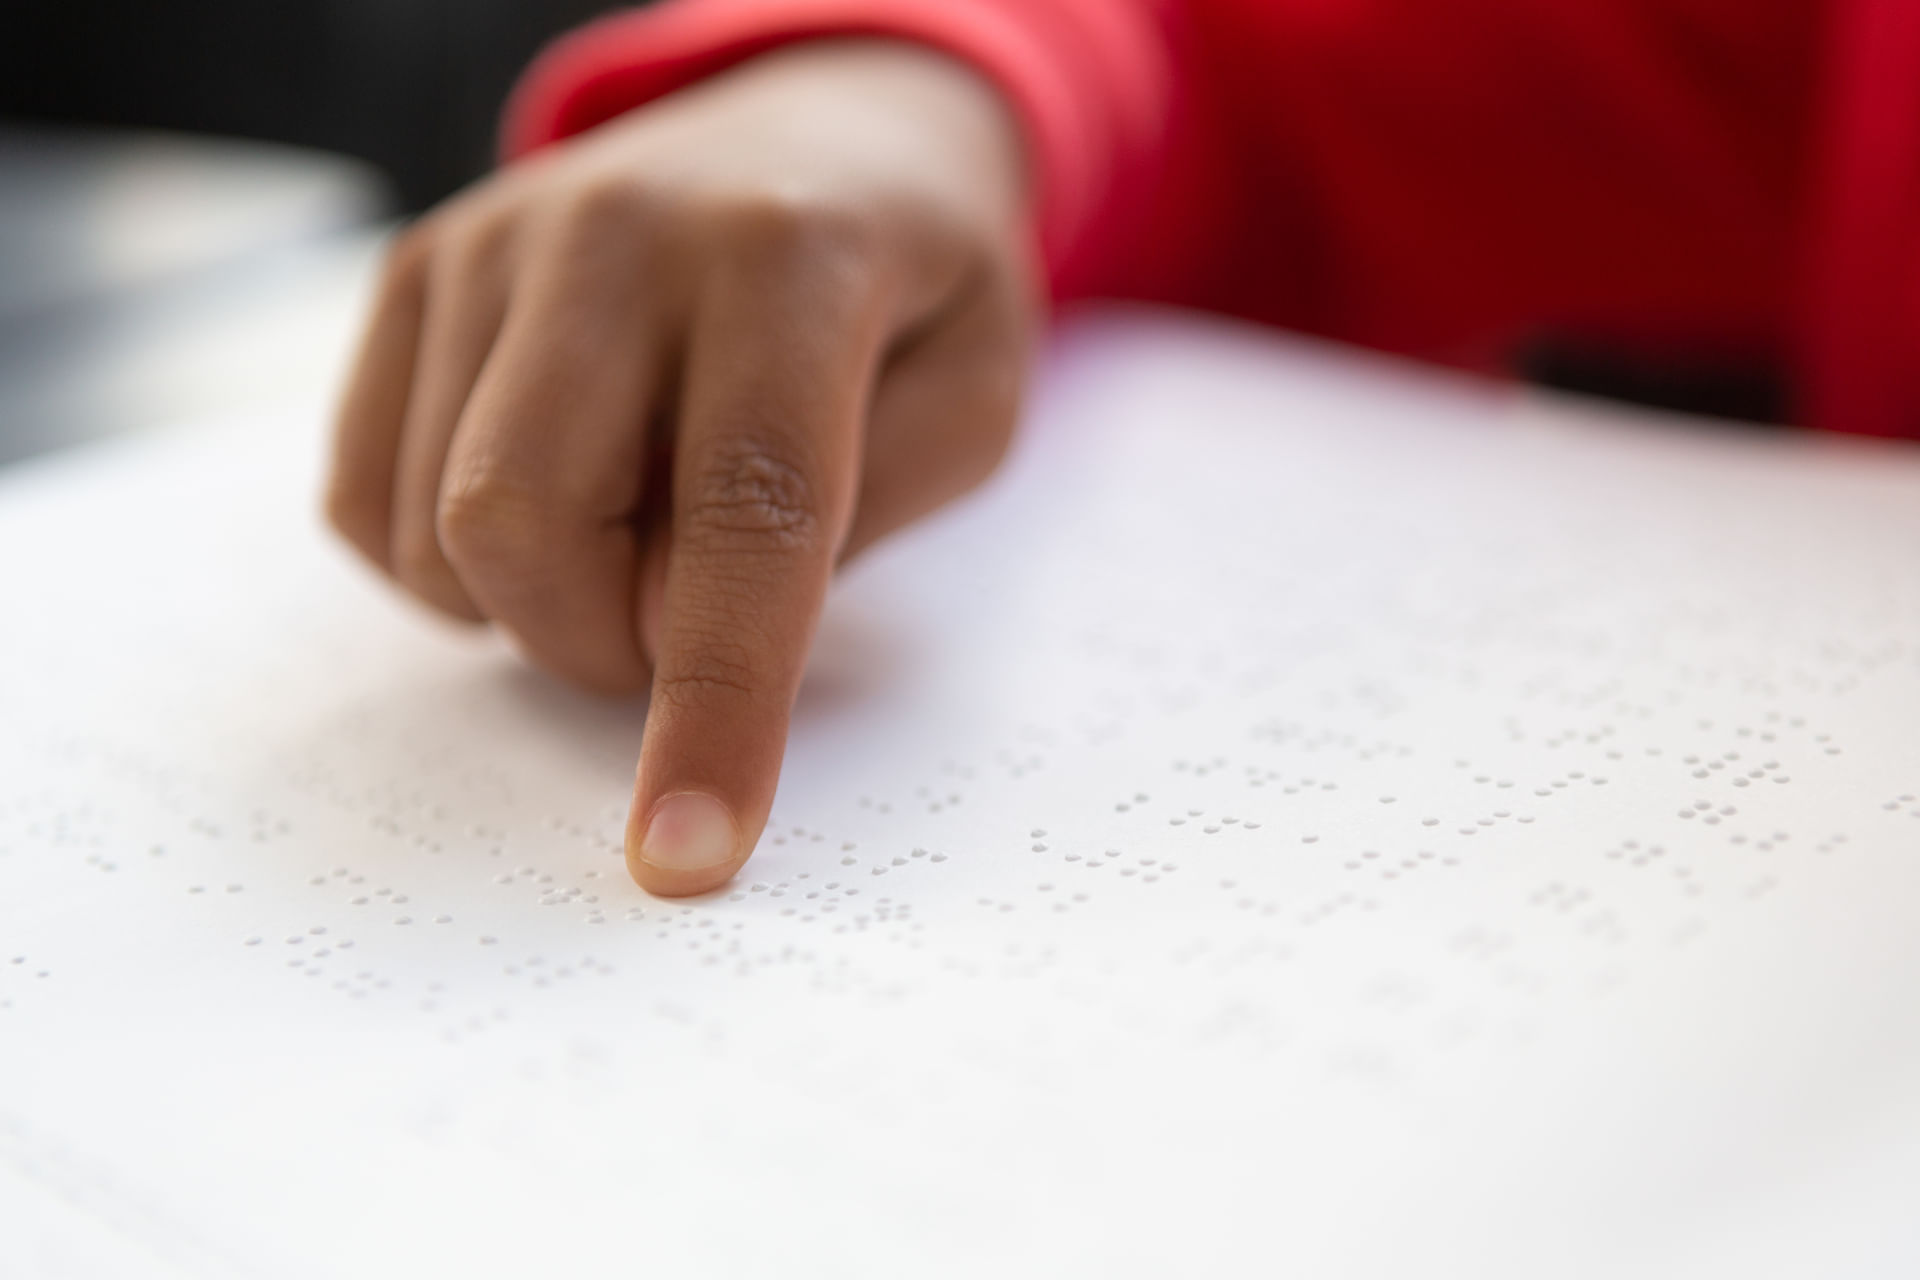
1306,817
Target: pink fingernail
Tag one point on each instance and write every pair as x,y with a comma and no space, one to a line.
689,832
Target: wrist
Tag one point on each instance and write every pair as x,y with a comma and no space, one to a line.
897,94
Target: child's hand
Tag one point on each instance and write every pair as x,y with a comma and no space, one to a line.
633,399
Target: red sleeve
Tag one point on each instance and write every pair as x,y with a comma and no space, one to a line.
1716,177
1107,107
1861,336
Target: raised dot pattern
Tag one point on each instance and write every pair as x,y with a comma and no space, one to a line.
1367,767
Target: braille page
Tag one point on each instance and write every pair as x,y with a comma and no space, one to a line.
1306,816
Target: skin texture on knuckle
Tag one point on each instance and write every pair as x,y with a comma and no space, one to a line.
713,662
750,496
490,527
725,646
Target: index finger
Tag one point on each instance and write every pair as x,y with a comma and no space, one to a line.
764,482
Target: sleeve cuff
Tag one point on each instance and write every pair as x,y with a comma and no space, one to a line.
1055,60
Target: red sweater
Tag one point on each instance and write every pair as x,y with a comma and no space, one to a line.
1442,178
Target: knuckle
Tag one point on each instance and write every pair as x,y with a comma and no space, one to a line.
474,250
784,226
350,514
407,257
601,209
488,525
708,666
417,561
750,494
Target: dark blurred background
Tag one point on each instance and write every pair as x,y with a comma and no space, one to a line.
412,86
193,192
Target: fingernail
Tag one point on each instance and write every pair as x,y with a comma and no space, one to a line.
689,832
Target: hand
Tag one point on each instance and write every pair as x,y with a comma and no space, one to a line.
633,399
